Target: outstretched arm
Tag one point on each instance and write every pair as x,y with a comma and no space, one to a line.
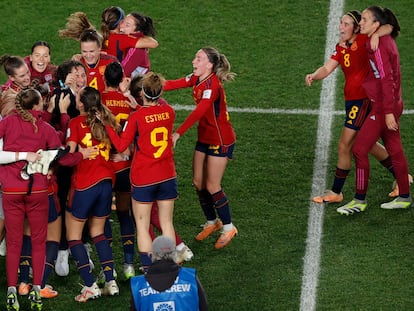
321,72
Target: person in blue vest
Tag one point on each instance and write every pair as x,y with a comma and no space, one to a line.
166,285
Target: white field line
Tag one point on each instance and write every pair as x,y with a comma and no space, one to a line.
311,265
275,110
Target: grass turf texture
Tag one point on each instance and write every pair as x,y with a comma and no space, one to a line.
366,260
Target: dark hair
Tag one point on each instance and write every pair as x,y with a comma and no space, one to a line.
356,17
64,69
40,43
91,100
152,86
91,35
135,87
110,19
144,24
11,63
385,16
113,74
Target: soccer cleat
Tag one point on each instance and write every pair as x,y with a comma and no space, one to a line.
395,189
129,271
225,238
48,292
24,289
208,229
12,302
355,206
110,288
62,263
89,292
184,255
329,197
397,203
35,300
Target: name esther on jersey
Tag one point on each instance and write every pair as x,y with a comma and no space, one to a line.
157,117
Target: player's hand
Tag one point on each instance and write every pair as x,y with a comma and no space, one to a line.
89,152
33,156
390,122
64,102
175,137
374,42
309,79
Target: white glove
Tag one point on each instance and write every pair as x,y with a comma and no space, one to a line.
42,165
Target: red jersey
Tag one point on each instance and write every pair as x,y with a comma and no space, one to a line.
214,127
95,74
119,43
354,64
117,103
136,61
89,172
383,84
153,159
20,135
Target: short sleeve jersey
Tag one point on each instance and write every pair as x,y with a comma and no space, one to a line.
150,127
95,74
355,65
214,126
89,172
117,103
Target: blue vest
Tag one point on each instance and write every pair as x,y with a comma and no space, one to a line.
181,296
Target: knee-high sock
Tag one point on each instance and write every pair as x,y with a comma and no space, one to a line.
207,204
221,203
339,180
127,227
52,249
80,256
25,259
104,251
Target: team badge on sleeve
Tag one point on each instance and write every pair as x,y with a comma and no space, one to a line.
188,77
207,94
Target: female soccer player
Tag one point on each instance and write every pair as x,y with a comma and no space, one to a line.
136,61
153,175
383,87
216,139
120,106
18,72
118,44
25,197
351,55
92,183
79,28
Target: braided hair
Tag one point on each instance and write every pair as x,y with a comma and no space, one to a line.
25,100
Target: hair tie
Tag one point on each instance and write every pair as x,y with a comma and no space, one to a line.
353,17
151,97
121,17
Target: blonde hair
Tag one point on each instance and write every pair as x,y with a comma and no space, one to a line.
76,24
221,65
